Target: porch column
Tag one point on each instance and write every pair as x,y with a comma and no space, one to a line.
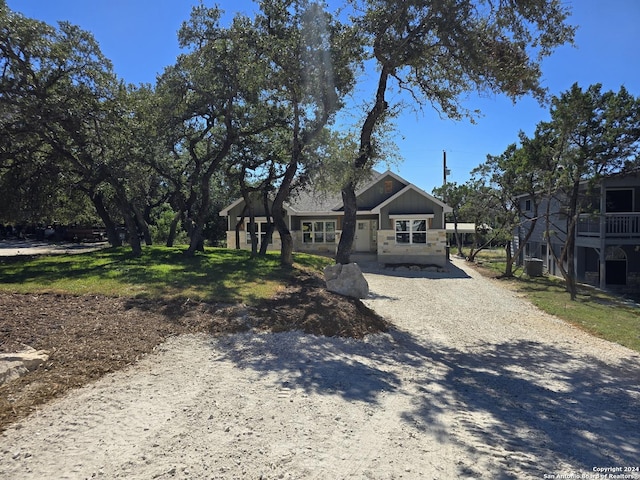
603,238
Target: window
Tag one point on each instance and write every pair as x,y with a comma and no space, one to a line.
411,231
388,186
260,229
527,205
320,231
620,200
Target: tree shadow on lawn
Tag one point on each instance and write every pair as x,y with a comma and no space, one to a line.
518,403
220,276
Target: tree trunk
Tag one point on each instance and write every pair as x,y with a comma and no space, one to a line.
511,259
456,234
343,255
251,228
132,231
196,240
143,227
508,270
197,237
128,216
569,243
112,230
570,278
253,234
267,238
567,253
286,240
238,225
173,229
361,163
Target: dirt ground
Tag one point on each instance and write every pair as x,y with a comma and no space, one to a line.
89,336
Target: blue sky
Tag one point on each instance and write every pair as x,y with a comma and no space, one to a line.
139,37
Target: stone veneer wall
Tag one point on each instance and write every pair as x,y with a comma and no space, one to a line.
319,248
298,246
434,252
231,241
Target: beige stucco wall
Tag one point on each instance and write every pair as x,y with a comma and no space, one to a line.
433,252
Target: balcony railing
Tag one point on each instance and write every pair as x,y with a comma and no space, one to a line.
625,225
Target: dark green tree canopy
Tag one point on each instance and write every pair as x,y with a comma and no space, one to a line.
439,50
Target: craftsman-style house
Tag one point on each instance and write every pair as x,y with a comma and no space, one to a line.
397,222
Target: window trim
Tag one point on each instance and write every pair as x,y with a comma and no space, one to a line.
411,233
259,221
411,216
314,233
619,189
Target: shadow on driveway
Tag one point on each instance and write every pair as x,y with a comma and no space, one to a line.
451,271
520,402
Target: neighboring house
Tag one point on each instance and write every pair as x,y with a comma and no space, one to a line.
607,253
466,231
396,221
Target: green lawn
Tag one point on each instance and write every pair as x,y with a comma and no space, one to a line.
222,275
218,275
599,313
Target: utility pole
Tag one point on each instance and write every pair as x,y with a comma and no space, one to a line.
445,170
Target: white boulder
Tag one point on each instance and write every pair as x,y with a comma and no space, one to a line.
14,365
346,280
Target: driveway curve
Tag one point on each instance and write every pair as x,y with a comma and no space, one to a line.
472,382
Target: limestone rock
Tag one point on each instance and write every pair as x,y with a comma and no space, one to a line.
14,365
346,280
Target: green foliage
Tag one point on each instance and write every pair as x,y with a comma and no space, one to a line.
161,226
438,51
277,79
219,275
594,133
51,81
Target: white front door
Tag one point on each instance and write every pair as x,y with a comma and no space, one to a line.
363,236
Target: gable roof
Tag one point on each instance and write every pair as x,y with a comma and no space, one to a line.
311,201
225,211
446,208
372,183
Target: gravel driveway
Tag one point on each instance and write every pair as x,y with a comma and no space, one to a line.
473,382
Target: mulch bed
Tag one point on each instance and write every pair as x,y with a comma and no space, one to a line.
89,336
